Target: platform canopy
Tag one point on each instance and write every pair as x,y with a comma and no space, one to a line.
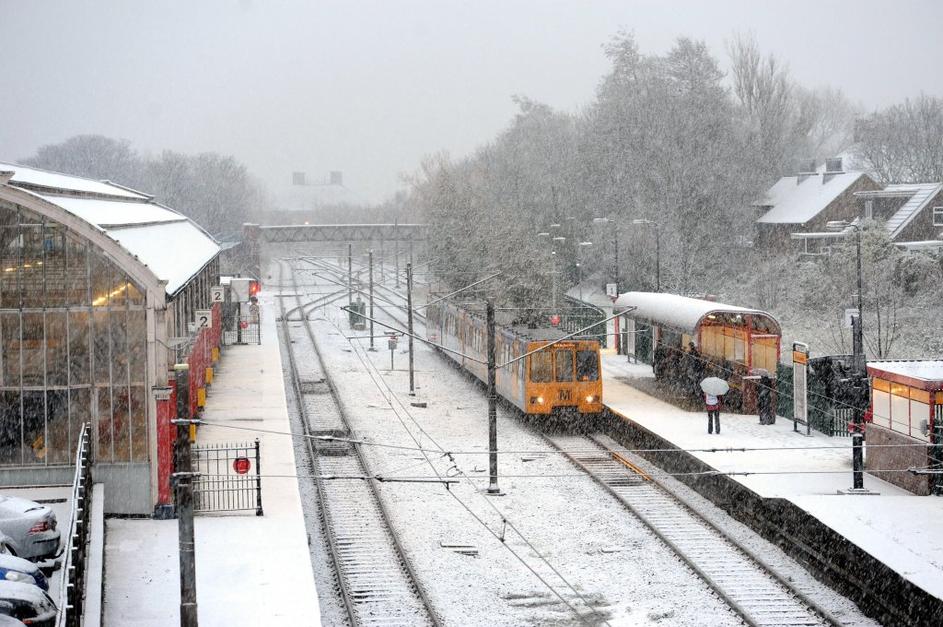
170,245
924,374
681,312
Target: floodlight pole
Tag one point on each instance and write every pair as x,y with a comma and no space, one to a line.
409,321
370,255
492,405
350,274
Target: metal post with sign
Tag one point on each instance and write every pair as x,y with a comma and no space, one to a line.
391,340
800,388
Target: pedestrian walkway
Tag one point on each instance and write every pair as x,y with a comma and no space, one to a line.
894,526
251,570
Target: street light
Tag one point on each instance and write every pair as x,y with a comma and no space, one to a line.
579,269
615,248
858,341
657,227
857,440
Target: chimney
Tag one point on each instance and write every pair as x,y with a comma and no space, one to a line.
298,178
806,169
337,178
833,167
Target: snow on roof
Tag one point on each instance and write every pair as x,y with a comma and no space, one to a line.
174,251
922,194
795,201
171,245
54,181
924,369
680,312
105,213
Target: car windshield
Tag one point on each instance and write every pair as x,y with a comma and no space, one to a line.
587,366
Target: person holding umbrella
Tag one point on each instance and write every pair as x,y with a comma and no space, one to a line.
713,388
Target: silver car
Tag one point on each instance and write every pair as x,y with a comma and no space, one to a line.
30,528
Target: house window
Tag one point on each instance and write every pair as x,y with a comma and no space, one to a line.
938,216
869,209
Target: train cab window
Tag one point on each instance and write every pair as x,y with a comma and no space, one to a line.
541,367
587,366
563,365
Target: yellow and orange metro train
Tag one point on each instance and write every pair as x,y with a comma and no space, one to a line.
561,384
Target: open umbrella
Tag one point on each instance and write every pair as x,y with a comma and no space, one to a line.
714,386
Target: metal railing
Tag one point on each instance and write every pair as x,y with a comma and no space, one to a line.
225,480
72,591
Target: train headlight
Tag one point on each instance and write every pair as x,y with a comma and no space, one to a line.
590,398
540,400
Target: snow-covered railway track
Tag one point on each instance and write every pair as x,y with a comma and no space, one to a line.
374,579
749,587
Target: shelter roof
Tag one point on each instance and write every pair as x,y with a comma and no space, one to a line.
798,199
171,245
923,373
680,312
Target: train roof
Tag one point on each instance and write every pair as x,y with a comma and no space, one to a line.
680,312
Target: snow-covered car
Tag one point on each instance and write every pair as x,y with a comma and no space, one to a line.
27,603
14,568
30,528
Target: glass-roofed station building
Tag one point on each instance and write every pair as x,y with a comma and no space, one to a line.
95,281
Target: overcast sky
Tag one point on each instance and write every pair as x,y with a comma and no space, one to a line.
369,88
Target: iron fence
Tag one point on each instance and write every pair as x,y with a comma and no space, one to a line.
228,479
241,324
72,591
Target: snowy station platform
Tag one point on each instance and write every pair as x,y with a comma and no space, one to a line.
892,525
251,570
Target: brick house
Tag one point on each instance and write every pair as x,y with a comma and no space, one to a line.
910,212
805,202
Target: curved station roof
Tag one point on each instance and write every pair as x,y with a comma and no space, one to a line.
680,312
173,247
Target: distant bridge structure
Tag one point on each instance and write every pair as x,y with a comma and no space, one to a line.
294,233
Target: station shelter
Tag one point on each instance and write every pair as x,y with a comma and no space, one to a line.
906,406
732,342
99,286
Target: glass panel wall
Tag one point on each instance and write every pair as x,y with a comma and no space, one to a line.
73,333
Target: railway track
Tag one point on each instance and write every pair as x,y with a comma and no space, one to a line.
375,581
759,595
751,588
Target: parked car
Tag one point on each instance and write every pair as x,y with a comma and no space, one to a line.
14,568
30,528
27,603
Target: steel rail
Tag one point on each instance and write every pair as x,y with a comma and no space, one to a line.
363,574
722,541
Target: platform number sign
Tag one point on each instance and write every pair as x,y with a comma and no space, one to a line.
204,318
216,294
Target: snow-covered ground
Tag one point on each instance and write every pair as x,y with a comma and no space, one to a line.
250,570
895,526
610,559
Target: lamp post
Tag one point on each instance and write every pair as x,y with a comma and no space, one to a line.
858,327
579,266
860,378
657,227
615,248
553,254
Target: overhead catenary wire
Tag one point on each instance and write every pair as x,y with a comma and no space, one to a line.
713,449
579,615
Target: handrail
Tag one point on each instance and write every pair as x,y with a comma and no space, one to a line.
72,589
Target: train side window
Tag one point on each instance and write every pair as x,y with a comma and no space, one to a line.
564,365
587,366
541,367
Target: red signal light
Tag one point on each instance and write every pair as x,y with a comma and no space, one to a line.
241,465
554,320
254,288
